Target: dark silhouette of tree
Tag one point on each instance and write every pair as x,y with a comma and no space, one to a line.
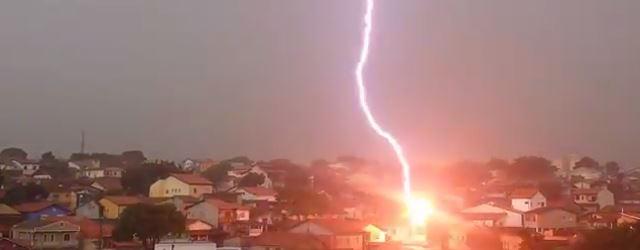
149,223
625,237
497,164
132,158
551,189
612,168
587,162
9,154
467,173
531,168
137,180
304,202
25,193
79,157
47,158
251,180
218,172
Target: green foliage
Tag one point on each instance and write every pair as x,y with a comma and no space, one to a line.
8,154
612,168
25,193
251,180
47,157
625,237
149,223
53,166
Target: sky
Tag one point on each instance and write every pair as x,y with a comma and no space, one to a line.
275,78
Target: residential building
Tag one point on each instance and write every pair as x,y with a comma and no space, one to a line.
108,185
90,209
181,184
35,210
92,172
337,233
113,172
493,214
47,234
256,194
114,205
184,245
594,196
217,212
526,199
278,240
197,230
549,220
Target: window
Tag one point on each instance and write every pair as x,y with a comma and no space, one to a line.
195,190
526,202
67,237
577,197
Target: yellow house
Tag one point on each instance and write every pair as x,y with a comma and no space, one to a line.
375,233
181,185
114,205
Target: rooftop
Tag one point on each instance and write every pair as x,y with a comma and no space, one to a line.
192,179
524,193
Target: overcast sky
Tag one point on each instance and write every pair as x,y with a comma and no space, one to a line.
274,78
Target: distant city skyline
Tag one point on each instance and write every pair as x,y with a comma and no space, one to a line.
274,79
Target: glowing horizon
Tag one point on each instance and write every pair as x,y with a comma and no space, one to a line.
362,94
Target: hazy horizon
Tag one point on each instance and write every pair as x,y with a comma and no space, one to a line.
274,78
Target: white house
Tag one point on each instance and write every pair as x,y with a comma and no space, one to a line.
255,194
525,199
502,216
600,196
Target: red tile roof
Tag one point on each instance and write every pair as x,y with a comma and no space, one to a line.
32,206
524,193
483,216
542,210
122,200
220,204
192,179
339,226
261,191
288,241
109,183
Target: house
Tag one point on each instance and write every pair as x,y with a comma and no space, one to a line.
197,230
337,233
181,184
108,185
217,212
494,215
278,240
9,244
113,172
61,193
90,231
8,217
526,199
256,194
92,172
463,237
601,197
550,220
114,205
90,209
35,210
46,234
29,167
181,202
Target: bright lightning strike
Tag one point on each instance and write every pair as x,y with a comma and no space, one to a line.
362,92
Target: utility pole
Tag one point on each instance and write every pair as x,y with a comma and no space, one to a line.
82,142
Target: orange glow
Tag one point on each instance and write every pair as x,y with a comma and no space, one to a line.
419,210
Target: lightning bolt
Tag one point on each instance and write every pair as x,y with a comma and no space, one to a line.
362,93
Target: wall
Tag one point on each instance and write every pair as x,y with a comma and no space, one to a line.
205,212
168,187
554,219
111,210
513,219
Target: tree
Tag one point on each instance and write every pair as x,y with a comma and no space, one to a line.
251,180
218,172
625,237
587,162
137,180
47,157
149,223
132,158
304,202
497,164
612,168
25,193
9,154
531,167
